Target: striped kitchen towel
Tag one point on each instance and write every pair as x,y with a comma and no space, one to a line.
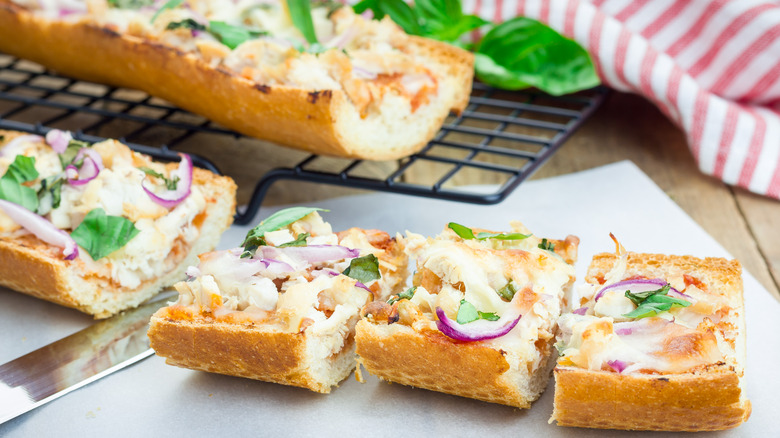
712,66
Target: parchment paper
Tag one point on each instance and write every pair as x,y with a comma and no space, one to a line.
154,399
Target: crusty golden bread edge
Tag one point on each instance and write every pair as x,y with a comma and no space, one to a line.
430,360
33,269
239,350
680,402
708,400
286,115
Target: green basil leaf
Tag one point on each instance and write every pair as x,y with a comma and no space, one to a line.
640,297
331,5
653,302
363,269
278,220
490,316
12,191
507,292
300,14
364,5
408,294
187,23
67,157
100,234
299,241
467,233
232,36
522,52
546,245
466,313
22,170
49,195
170,4
403,15
647,310
667,299
130,4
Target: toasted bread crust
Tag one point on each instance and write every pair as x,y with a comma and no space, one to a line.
704,400
430,360
299,118
31,266
685,402
242,350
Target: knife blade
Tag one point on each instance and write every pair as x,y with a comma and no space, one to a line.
76,360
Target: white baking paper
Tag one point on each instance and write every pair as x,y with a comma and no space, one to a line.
154,399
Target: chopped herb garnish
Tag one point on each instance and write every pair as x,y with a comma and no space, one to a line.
547,245
22,170
74,146
651,303
170,183
232,36
408,294
278,220
130,4
49,195
363,269
187,23
468,313
100,234
299,241
507,292
467,233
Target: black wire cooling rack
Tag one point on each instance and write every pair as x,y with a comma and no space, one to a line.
502,137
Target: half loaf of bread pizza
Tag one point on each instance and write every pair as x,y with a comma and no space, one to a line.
98,227
316,77
283,307
480,318
658,343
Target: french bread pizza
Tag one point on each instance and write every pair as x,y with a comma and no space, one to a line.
325,80
98,227
480,318
657,343
283,307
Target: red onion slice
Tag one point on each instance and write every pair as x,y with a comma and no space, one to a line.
192,272
479,330
277,267
580,311
172,198
58,140
77,177
41,228
618,365
311,253
641,326
11,148
333,273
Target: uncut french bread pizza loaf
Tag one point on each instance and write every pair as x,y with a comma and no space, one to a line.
366,90
480,319
98,227
670,359
283,308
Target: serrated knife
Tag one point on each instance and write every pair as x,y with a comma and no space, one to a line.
76,360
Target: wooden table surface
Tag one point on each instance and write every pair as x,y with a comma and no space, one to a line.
625,127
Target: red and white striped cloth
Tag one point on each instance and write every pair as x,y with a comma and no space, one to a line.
712,66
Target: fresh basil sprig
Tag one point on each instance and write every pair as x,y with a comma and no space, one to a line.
300,14
74,146
299,241
467,233
363,269
11,189
170,183
408,294
651,303
232,36
282,218
100,234
522,53
546,245
468,313
187,23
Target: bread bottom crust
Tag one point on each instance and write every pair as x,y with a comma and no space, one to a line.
246,350
430,360
682,402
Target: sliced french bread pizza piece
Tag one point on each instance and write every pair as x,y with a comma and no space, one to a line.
365,90
283,308
480,318
657,342
98,227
